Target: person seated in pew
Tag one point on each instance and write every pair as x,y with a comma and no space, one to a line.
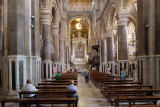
30,87
73,69
58,75
72,87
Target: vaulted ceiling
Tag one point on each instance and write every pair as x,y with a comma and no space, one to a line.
80,5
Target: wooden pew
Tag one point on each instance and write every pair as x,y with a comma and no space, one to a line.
106,84
65,78
113,93
142,99
119,92
102,81
59,81
142,106
97,80
23,101
55,87
51,84
47,94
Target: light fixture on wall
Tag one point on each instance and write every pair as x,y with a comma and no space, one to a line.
78,26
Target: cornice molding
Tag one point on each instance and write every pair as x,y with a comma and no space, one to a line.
122,19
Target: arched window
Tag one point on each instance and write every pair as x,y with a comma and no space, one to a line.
131,41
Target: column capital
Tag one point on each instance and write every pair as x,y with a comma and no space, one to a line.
62,37
55,30
103,37
109,31
46,19
122,19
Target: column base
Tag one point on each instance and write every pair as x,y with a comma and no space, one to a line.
18,69
112,65
122,64
148,69
46,69
0,76
15,78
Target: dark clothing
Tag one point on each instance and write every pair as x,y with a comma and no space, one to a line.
86,79
77,98
28,105
72,87
86,75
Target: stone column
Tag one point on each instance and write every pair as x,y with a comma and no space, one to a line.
61,43
1,44
14,59
32,40
122,42
151,40
148,53
46,49
110,53
103,53
55,31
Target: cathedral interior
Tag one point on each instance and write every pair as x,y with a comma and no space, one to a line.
39,38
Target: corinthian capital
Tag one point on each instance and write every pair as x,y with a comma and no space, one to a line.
46,19
122,19
109,32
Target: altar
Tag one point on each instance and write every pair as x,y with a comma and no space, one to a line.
79,50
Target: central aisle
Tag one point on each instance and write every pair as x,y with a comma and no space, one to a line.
89,95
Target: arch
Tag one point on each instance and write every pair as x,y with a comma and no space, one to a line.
79,16
130,3
112,13
53,14
132,19
132,12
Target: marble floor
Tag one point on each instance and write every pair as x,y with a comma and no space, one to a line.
89,96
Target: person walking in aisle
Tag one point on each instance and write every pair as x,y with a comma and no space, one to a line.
86,74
